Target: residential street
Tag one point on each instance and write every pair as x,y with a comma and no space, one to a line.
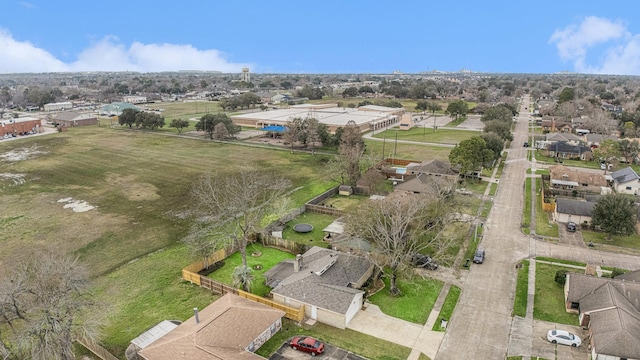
481,323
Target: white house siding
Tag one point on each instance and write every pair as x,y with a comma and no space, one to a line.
356,305
564,218
622,188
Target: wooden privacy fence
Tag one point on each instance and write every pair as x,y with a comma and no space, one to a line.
324,210
284,244
98,350
188,274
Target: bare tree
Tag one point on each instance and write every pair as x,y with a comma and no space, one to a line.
398,227
601,122
220,131
351,151
292,134
237,203
46,305
313,136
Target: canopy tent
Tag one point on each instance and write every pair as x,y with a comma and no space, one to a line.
275,128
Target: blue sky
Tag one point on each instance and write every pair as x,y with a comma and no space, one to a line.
330,36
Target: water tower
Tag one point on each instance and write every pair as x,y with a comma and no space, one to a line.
245,75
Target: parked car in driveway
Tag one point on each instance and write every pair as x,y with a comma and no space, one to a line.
563,337
478,258
424,261
571,226
307,344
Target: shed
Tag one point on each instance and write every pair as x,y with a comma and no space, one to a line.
345,190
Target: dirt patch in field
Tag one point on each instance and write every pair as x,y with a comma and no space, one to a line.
39,223
22,154
76,205
13,179
133,190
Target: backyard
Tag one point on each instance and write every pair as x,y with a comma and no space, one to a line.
259,258
315,236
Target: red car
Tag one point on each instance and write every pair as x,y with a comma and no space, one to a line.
307,344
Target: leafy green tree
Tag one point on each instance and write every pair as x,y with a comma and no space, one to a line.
457,109
128,117
629,150
615,214
179,124
350,92
567,94
151,121
494,143
470,154
499,112
608,151
208,123
500,128
366,89
422,105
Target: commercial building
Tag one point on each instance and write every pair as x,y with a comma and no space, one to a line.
20,125
70,119
370,117
60,106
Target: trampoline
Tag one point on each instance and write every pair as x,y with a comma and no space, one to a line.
302,228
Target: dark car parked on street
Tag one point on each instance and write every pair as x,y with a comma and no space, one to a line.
478,258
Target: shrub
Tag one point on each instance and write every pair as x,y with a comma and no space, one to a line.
561,277
615,272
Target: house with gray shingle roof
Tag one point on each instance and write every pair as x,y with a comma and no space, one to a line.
610,308
573,210
325,281
626,181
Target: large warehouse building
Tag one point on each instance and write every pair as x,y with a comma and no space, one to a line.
370,117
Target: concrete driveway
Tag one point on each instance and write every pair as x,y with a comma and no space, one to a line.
285,352
541,347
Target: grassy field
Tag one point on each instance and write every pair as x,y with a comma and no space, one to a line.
139,183
185,110
345,203
441,136
522,290
415,303
269,258
449,305
549,299
359,343
406,151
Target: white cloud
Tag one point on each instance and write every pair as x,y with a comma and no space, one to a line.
621,54
109,54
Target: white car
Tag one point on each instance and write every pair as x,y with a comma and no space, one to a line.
564,338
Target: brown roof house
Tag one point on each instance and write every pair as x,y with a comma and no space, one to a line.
563,178
610,309
230,328
433,167
325,281
71,118
428,184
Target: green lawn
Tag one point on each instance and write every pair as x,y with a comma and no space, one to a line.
478,187
486,209
449,305
544,226
526,211
567,162
269,258
345,203
318,221
494,189
142,293
549,299
596,237
500,167
415,303
440,136
406,151
522,290
356,342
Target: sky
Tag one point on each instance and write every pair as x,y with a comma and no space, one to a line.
329,36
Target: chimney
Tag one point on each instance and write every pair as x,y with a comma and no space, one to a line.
195,311
297,263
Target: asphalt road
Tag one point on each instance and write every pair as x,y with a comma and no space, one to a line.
479,328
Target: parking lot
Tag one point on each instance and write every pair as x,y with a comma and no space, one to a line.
285,352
